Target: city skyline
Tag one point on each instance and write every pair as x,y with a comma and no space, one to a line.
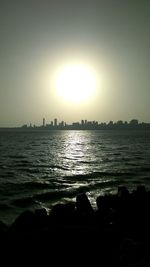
84,123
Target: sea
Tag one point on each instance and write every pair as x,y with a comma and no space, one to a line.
43,167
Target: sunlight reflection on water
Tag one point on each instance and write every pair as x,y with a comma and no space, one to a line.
77,148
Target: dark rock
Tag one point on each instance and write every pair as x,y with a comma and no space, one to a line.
25,222
62,213
41,218
3,227
141,190
128,251
106,202
111,234
83,204
123,192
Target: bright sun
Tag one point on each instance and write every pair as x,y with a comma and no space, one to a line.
75,83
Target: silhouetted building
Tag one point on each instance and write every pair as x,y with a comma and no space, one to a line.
24,126
76,124
55,122
43,122
82,122
61,124
134,122
120,122
110,123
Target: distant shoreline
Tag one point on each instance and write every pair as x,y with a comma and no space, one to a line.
70,128
82,125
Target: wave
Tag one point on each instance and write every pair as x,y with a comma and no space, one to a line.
69,192
145,169
16,156
102,174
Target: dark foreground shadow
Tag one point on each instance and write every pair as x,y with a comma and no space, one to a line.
117,233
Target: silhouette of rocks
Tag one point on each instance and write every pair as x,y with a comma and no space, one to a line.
3,227
123,192
62,213
116,232
24,222
29,221
83,204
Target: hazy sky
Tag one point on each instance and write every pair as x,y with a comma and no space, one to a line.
39,36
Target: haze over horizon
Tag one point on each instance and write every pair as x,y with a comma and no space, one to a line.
39,38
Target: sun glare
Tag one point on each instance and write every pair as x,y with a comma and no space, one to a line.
75,83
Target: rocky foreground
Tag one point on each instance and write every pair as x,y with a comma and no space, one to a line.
117,233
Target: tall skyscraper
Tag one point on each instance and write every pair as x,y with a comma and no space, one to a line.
82,122
55,122
43,122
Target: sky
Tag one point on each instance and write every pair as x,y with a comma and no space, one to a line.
39,37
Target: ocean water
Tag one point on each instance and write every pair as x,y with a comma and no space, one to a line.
41,168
